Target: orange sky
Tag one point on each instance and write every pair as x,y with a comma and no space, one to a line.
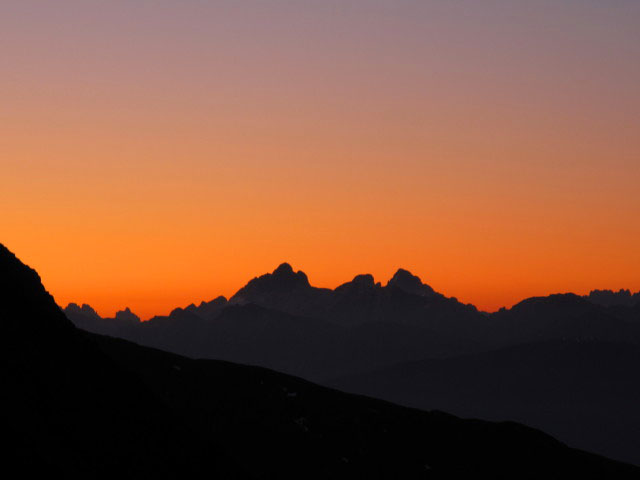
155,154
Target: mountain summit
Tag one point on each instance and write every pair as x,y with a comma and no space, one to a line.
282,281
283,289
405,280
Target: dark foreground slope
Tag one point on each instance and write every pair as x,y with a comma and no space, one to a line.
91,405
585,393
67,407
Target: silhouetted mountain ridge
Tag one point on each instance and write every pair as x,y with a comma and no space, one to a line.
406,281
291,292
609,298
280,321
92,406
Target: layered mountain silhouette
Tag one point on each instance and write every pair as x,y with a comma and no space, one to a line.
280,321
610,298
359,336
80,404
584,392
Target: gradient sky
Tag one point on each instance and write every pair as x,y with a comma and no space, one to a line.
158,153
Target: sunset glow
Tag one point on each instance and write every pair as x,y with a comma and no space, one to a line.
155,154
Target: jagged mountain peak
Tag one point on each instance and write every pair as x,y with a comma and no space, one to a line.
85,309
283,269
360,283
622,297
366,280
406,281
282,280
127,315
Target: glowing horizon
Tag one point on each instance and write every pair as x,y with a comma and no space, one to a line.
383,282
155,154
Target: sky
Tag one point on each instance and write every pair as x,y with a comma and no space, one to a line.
159,153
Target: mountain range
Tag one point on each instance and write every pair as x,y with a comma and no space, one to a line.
78,404
405,342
